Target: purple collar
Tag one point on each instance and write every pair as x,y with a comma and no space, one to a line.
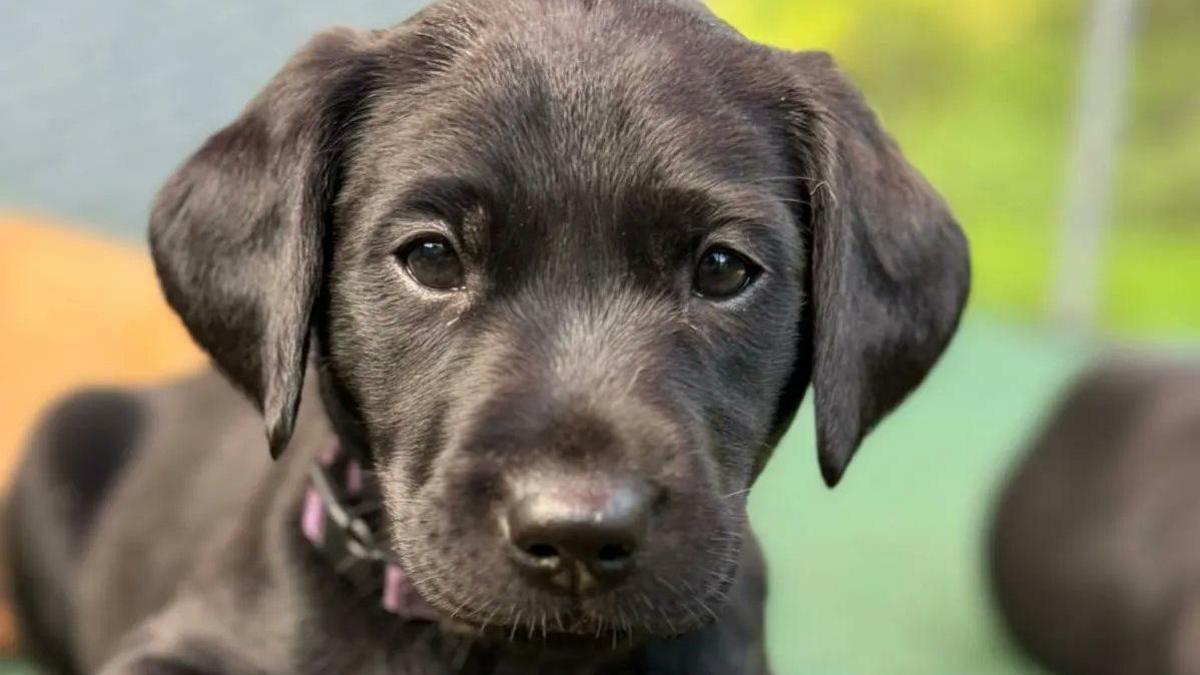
339,517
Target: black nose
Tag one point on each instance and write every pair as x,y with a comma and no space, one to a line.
580,537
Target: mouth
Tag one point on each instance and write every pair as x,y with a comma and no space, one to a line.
574,560
494,603
612,622
567,633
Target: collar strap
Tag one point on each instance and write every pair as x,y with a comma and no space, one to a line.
339,517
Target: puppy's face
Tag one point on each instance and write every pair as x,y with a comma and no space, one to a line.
570,268
574,293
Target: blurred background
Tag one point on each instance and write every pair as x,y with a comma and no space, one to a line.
1064,133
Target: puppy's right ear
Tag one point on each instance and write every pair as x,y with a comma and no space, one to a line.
236,233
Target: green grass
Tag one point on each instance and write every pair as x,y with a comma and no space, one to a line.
1150,286
885,573
981,97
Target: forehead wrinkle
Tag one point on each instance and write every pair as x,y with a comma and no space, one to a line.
456,200
719,201
575,94
582,339
582,60
588,92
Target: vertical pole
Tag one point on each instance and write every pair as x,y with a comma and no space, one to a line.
1099,117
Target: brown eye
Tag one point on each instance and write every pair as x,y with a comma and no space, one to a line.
722,273
433,263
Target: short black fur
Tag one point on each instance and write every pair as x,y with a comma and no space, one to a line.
580,158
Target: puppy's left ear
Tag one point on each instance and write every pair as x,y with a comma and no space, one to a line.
236,233
889,268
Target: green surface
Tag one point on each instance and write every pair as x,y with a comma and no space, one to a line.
884,575
981,97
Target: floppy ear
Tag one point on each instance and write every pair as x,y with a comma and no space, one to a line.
236,233
889,268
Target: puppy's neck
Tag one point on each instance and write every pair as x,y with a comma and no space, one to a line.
343,418
339,517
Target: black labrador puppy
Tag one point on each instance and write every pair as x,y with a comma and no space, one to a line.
1096,545
564,270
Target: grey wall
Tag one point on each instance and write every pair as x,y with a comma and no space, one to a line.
100,99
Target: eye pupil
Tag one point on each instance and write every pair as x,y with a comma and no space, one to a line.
433,263
722,273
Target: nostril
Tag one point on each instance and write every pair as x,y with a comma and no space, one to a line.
539,557
544,552
614,554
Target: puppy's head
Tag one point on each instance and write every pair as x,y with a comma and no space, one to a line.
568,269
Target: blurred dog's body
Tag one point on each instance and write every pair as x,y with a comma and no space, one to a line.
1095,552
89,306
564,271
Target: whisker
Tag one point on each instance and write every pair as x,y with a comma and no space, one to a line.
516,624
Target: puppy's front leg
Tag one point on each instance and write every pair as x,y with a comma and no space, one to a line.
186,660
207,663
156,666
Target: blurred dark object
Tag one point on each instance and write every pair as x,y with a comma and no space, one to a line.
1096,545
76,309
